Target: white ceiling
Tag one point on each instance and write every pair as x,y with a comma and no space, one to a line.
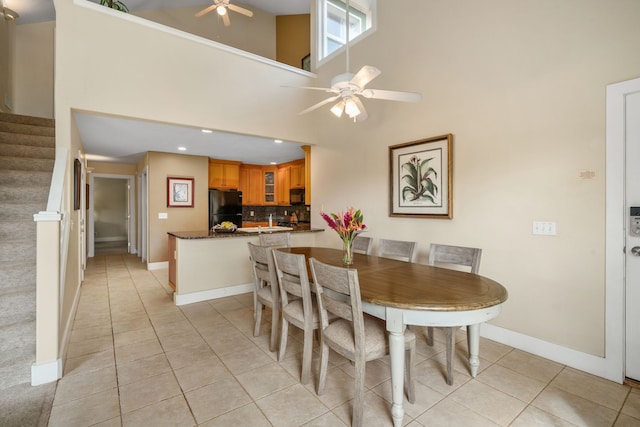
120,140
112,139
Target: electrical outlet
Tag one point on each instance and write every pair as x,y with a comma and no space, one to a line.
544,228
250,213
285,213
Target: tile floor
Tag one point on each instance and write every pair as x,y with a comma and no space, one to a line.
135,359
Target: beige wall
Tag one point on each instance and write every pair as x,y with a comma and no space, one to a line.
293,38
162,166
256,34
7,59
34,63
522,89
112,168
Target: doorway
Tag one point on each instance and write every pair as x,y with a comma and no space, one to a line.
110,215
622,245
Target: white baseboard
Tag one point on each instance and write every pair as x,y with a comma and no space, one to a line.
46,372
596,365
193,297
111,239
157,265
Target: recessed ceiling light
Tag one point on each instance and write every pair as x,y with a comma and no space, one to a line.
206,131
277,141
182,148
273,163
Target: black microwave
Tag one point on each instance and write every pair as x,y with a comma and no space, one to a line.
296,196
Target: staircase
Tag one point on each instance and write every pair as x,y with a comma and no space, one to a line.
27,151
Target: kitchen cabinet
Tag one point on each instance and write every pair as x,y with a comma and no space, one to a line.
269,176
284,184
297,175
224,175
252,185
172,262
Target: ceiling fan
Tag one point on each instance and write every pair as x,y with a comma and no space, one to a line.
349,87
221,7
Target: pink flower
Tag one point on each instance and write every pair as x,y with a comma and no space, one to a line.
347,224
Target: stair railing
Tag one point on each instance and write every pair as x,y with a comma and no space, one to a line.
52,244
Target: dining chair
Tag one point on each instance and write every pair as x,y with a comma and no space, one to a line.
396,249
265,290
363,245
443,255
297,305
353,334
281,240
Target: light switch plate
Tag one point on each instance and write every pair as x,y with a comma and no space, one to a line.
163,215
544,228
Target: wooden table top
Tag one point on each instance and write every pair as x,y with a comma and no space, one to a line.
413,286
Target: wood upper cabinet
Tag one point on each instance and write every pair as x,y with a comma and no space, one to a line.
252,185
269,179
284,184
224,174
297,174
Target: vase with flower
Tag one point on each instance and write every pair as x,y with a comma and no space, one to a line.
348,225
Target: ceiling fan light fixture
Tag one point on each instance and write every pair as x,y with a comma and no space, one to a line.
221,10
351,108
338,109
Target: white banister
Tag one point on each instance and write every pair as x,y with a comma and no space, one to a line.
52,242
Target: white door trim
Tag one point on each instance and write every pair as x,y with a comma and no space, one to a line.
615,227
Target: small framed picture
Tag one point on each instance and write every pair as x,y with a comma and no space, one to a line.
420,178
179,192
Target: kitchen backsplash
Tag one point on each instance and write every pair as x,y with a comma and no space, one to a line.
280,213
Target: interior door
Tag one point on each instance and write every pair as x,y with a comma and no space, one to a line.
632,233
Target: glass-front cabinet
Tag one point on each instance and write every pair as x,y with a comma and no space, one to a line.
270,186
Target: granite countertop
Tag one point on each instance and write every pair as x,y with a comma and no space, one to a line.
205,234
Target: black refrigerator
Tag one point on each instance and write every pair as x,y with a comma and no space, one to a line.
225,206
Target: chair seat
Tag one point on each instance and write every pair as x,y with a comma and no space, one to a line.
264,294
340,332
294,310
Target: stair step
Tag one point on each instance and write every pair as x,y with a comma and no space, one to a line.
10,230
16,177
22,139
22,210
27,120
17,274
32,152
24,164
11,250
18,371
27,129
9,193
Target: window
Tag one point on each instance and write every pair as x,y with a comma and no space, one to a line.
333,19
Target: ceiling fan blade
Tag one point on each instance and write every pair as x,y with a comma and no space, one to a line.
363,111
365,75
207,10
323,89
226,20
391,95
319,104
241,10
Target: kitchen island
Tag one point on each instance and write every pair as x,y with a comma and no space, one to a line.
205,265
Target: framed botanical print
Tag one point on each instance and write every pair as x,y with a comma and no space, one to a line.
420,178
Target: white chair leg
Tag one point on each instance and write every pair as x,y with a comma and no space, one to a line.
258,315
429,335
306,357
284,331
451,344
275,314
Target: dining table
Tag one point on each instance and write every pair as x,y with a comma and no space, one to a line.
406,293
